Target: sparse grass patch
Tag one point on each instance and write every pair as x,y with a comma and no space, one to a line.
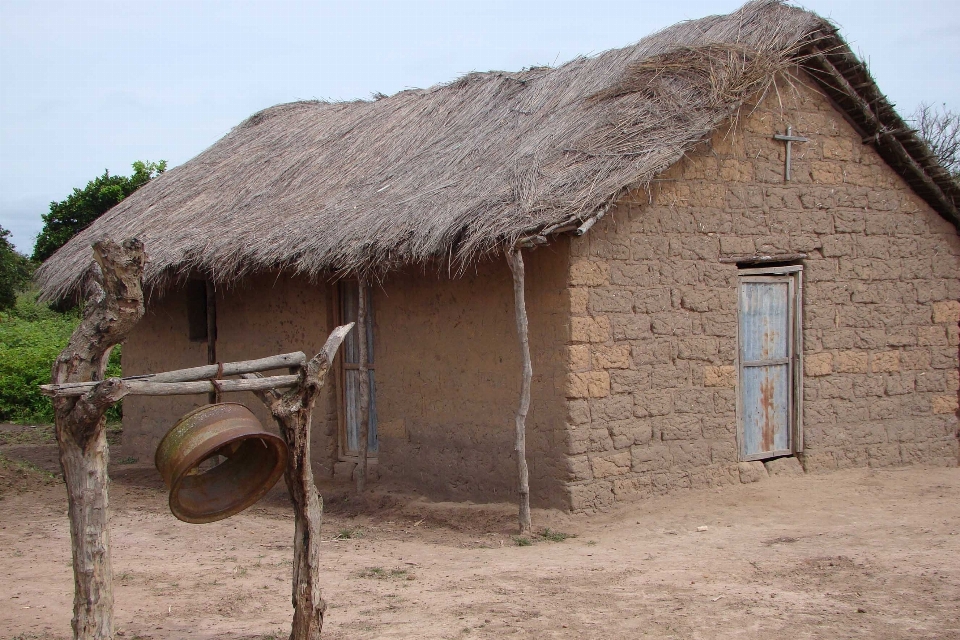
114,431
41,434
348,534
373,572
29,466
379,573
544,535
128,460
554,536
20,475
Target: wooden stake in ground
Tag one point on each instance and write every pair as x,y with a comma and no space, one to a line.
293,412
114,306
364,386
515,260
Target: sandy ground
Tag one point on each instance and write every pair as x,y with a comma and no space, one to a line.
853,554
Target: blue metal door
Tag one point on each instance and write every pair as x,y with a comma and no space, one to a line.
767,366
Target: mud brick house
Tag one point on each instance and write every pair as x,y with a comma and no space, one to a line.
736,251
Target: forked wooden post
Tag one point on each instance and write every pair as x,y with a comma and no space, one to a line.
293,412
81,397
515,260
363,428
114,306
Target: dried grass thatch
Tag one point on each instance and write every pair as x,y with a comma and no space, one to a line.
452,172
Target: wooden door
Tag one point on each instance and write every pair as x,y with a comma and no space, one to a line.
767,366
350,434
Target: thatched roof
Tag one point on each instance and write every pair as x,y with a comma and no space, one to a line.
456,171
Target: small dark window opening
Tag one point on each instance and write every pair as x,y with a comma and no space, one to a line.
773,264
197,310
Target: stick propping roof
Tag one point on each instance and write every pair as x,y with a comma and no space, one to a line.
460,170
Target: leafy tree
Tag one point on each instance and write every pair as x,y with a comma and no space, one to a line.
32,335
83,206
15,271
940,129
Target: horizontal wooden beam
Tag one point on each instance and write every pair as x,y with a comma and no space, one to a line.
150,388
282,361
762,259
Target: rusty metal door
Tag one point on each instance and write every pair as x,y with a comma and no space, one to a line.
766,371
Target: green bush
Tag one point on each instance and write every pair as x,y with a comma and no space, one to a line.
31,337
15,271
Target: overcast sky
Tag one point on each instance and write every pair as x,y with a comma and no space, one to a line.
91,85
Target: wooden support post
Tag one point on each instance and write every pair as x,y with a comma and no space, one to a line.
515,260
211,306
293,412
114,306
364,386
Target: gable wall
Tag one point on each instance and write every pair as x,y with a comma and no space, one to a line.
651,386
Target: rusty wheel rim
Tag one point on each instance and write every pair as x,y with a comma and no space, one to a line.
254,461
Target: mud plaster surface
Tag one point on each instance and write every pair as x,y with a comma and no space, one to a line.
854,553
447,372
448,381
264,316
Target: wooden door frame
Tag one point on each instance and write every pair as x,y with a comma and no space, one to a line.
342,454
795,391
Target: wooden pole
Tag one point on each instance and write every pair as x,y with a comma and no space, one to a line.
364,386
148,388
114,306
296,360
293,412
515,260
214,396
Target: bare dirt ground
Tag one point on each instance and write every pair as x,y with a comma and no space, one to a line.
854,554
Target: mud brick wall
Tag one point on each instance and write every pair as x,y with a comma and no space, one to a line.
651,384
448,380
265,315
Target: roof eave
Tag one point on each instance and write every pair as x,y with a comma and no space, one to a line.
848,83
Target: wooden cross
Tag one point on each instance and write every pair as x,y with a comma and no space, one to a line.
789,138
